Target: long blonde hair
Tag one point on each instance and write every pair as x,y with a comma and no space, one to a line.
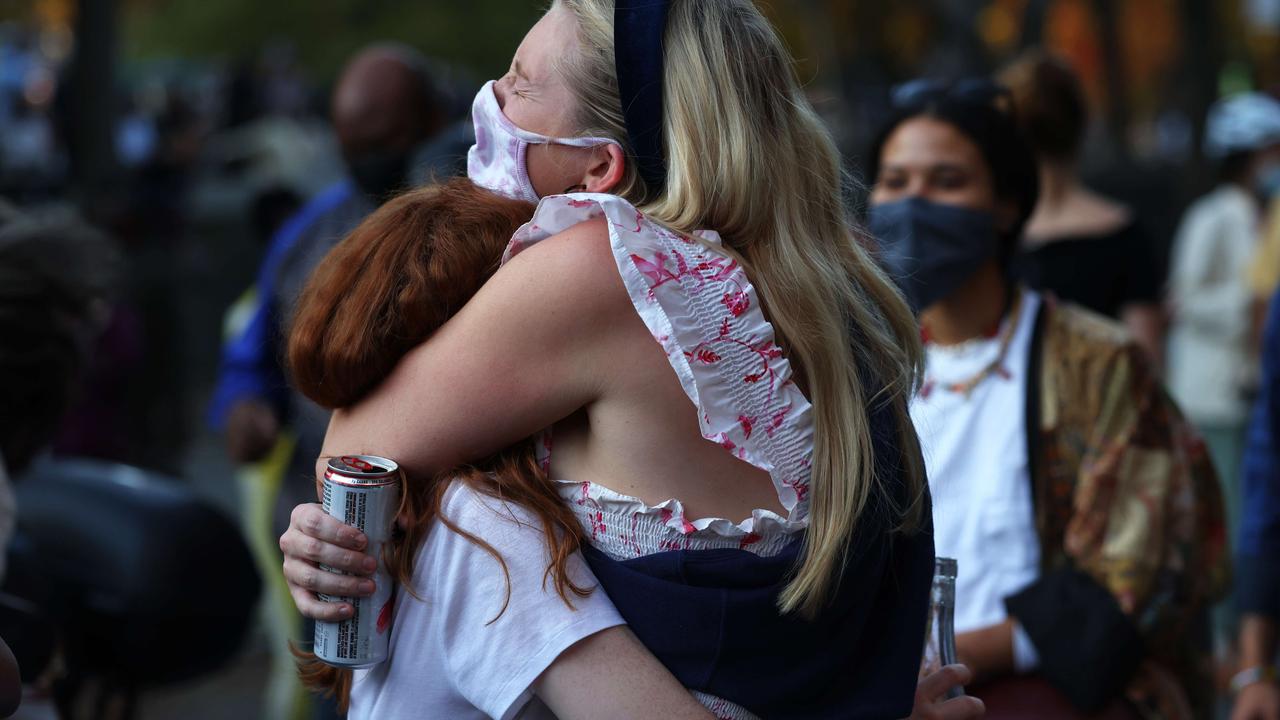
748,157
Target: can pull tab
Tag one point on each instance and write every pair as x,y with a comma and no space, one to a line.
358,464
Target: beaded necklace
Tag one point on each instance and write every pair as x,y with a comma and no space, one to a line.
995,367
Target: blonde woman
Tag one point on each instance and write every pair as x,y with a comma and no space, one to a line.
689,324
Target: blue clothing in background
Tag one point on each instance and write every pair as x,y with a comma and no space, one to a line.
251,359
1258,549
250,364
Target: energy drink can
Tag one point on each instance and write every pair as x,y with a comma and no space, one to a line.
362,491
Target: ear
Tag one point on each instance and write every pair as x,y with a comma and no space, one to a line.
608,163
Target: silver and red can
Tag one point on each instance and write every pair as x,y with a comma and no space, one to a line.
362,491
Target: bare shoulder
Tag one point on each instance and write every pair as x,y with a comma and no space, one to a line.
1108,213
571,271
1083,213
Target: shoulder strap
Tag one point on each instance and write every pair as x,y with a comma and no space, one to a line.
1034,400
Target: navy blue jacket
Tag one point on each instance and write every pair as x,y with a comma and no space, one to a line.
1257,569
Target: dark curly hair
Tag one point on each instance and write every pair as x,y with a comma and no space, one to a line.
56,275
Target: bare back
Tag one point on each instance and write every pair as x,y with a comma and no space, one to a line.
642,438
1079,213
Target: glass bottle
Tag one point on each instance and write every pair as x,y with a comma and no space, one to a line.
940,641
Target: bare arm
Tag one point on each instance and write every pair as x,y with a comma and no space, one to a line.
611,674
521,355
1258,700
987,652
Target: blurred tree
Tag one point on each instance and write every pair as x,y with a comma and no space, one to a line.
1114,59
478,34
88,112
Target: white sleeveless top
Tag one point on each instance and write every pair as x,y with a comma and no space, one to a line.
700,307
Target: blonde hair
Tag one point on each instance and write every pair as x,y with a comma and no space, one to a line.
748,157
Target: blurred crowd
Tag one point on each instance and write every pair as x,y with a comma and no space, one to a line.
1099,407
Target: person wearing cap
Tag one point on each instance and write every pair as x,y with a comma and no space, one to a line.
1209,360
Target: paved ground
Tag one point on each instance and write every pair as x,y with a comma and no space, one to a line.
233,694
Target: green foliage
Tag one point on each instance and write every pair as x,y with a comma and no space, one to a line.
478,34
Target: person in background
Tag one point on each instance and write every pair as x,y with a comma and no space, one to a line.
1072,227
57,277
1210,365
384,108
1081,508
1255,683
388,116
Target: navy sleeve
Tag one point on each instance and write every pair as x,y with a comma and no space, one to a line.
1258,572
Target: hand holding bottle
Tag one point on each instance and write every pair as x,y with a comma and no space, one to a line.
933,701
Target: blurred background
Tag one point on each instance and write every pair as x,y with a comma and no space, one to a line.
187,132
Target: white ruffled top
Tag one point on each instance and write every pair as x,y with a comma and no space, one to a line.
698,304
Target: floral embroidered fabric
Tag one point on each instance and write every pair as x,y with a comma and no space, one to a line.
700,307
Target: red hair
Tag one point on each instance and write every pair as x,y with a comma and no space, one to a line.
379,293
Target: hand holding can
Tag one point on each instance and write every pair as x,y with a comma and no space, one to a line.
361,491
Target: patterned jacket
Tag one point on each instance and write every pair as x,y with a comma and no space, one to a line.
1126,500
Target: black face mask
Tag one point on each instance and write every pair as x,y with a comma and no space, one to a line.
379,174
931,249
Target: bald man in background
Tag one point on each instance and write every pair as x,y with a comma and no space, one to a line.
389,119
393,128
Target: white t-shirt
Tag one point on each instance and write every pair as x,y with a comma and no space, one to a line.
449,657
1208,287
975,451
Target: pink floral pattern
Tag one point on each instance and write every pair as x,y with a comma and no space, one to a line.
699,305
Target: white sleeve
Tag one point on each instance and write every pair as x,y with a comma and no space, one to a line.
493,655
1207,281
1026,658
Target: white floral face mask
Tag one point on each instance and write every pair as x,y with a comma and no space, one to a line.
498,160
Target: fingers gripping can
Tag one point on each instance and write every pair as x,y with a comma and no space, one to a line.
362,491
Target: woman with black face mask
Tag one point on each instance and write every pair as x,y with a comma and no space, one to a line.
1081,507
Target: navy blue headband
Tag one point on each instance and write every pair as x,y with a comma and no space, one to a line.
638,30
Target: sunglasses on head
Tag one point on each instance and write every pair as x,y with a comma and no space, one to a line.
974,91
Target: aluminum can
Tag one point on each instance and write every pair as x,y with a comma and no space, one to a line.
362,491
